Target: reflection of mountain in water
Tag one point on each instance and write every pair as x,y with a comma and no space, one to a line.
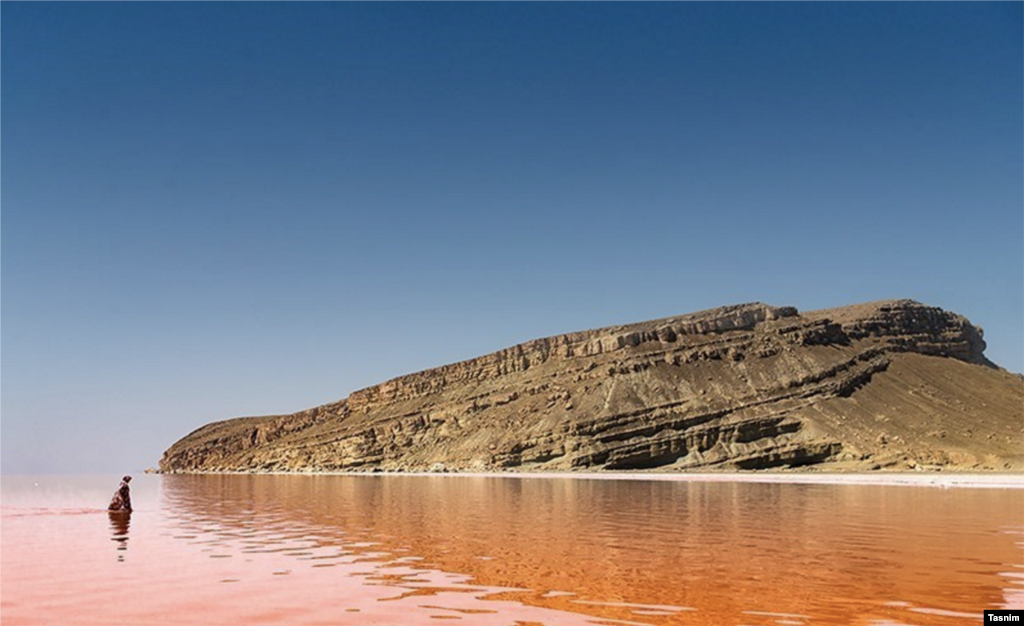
653,552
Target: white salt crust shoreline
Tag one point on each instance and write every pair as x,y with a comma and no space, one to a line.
916,479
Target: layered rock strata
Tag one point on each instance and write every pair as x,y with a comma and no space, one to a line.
893,384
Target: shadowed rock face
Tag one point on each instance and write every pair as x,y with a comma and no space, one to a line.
893,384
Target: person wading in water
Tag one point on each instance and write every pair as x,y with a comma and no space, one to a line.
122,500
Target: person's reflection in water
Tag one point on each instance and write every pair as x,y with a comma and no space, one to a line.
119,521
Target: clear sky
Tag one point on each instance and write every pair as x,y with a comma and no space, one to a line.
215,210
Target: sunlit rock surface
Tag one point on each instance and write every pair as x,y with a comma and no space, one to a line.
884,385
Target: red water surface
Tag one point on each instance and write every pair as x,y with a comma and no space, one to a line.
227,550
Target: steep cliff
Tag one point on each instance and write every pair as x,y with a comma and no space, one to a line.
893,384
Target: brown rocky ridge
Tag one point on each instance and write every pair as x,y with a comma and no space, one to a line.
885,385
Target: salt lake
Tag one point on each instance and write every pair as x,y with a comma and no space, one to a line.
495,550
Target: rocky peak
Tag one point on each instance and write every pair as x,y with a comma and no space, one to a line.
910,326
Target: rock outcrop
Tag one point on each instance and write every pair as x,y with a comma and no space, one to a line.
893,385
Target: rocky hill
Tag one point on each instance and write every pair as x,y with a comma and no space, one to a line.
884,385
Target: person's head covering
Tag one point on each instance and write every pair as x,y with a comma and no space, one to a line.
126,478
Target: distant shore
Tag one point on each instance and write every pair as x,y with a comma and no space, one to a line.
978,480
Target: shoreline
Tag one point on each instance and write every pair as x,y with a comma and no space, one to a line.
904,479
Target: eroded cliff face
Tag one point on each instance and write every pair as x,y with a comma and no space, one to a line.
893,384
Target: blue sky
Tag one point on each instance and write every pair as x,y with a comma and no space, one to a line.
221,209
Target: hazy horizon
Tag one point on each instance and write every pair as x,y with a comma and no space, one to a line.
214,210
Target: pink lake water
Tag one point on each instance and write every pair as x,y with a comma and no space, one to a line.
480,551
